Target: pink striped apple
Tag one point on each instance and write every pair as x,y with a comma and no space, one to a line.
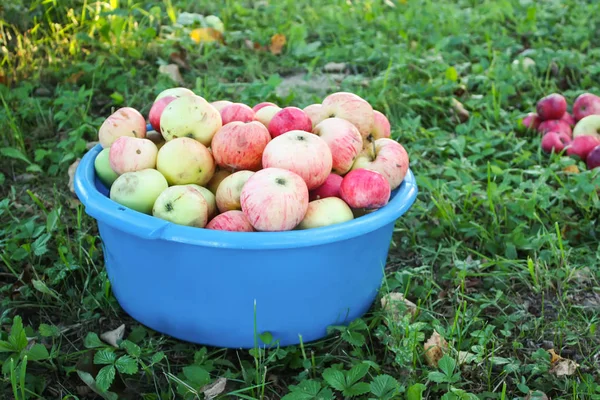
387,157
233,221
240,145
381,126
262,105
348,106
274,199
129,154
289,119
365,189
125,121
301,152
344,141
236,112
266,114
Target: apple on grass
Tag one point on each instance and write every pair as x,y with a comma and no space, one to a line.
301,152
387,157
125,121
347,106
329,188
589,125
175,92
138,190
240,145
236,112
581,146
593,158
216,180
156,111
365,189
129,154
184,160
568,118
220,104
344,141
325,212
289,119
586,104
230,190
182,205
191,117
531,121
556,141
105,173
210,199
555,125
233,220
266,114
552,106
274,199
262,105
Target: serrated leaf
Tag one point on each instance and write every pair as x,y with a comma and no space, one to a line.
104,356
6,347
305,390
41,287
48,330
447,365
38,352
357,389
92,340
437,377
131,348
356,373
415,392
196,375
13,153
335,379
89,380
17,337
105,377
354,338
127,365
157,357
384,386
137,334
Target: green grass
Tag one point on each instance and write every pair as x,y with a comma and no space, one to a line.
500,252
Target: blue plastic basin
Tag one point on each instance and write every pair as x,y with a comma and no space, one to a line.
223,288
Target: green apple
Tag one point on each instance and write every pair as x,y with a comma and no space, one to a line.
184,160
210,199
216,180
138,190
324,212
589,125
175,92
103,170
192,117
182,205
229,191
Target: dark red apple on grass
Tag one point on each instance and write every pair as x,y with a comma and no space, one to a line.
568,118
593,159
581,146
531,121
556,141
586,104
552,106
555,125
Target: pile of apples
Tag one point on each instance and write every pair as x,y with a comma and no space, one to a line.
227,166
577,133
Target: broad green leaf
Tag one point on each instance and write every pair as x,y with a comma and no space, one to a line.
354,338
89,380
384,386
356,373
305,390
48,330
157,357
6,347
415,392
92,340
41,287
52,220
357,389
16,154
137,334
196,375
266,337
437,377
17,337
451,74
105,377
447,365
335,379
104,356
38,352
131,348
127,365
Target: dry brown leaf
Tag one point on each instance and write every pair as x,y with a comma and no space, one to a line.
172,71
571,169
254,46
390,303
75,77
206,35
112,337
179,58
71,172
582,276
214,389
459,110
278,40
435,347
561,366
3,79
553,356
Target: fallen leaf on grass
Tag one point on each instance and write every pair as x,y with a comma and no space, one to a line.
172,71
435,347
582,276
459,110
464,357
334,67
75,77
571,169
277,42
561,366
537,395
206,35
179,58
71,172
214,389
394,303
112,337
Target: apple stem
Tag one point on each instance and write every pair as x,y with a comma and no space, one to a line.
373,147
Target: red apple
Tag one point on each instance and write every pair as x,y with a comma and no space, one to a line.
330,188
274,199
364,188
387,157
347,106
233,221
552,106
266,114
381,126
344,141
582,145
531,121
289,119
555,125
262,105
156,111
236,112
301,152
230,189
316,113
240,145
556,141
220,104
586,104
568,118
593,158
129,154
